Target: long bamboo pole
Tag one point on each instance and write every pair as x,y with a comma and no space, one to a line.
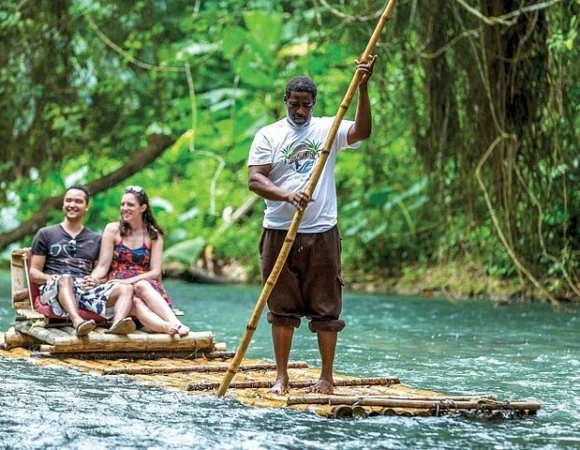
291,235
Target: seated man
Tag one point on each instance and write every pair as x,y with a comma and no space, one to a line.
62,259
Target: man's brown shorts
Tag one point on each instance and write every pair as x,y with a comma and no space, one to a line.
309,283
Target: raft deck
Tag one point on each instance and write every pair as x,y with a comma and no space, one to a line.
200,371
196,365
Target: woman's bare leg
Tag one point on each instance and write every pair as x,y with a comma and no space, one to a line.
158,305
150,319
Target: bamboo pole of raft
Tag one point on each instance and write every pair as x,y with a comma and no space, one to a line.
95,342
13,338
42,334
47,351
410,403
291,235
19,296
386,381
199,368
359,400
21,305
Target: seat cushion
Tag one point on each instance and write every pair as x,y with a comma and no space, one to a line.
47,311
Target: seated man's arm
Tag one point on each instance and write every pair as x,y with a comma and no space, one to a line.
36,266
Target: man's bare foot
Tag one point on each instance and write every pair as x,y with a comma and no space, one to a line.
280,386
322,386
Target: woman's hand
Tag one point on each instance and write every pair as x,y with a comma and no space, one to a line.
88,282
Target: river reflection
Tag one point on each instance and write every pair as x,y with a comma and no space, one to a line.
521,352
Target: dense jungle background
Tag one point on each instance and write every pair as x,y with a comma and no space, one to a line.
469,184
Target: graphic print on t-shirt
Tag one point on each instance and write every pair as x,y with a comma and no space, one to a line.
64,248
71,255
303,156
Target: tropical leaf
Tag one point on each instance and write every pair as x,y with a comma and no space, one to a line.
239,153
265,29
185,251
233,40
380,196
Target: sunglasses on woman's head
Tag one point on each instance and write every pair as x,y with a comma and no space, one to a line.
134,189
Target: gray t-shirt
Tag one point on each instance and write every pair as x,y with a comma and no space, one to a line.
65,254
292,153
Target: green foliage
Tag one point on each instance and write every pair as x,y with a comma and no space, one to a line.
185,251
83,85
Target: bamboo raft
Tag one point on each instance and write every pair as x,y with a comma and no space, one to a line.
196,365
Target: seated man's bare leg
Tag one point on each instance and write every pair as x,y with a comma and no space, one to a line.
67,300
327,347
282,338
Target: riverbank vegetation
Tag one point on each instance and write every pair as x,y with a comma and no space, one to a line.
472,170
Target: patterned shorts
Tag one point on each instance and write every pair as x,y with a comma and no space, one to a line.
94,299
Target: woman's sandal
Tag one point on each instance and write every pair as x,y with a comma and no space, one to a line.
124,326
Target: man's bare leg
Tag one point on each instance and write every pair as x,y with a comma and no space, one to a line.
67,299
282,338
327,347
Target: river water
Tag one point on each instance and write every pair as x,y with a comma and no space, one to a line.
520,352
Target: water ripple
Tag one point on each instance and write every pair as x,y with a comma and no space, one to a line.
519,353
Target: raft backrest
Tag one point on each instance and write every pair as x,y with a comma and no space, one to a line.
19,279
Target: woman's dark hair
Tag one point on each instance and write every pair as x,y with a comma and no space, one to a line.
153,227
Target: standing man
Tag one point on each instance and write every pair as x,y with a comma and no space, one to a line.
63,257
281,160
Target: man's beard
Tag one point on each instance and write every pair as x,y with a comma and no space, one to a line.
296,124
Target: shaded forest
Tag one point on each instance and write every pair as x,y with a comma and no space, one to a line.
473,164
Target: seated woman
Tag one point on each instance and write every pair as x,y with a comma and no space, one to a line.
132,251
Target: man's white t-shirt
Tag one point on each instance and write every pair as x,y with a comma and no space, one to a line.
292,153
